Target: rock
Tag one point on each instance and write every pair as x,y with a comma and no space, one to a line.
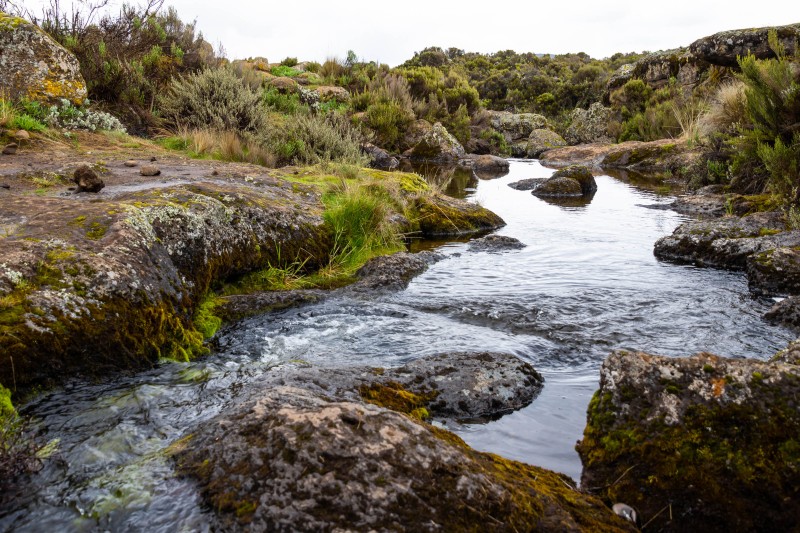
490,166
22,135
283,84
5,186
589,125
701,443
293,459
10,149
130,163
658,68
786,312
393,272
415,132
36,67
112,284
541,140
442,215
239,306
516,127
379,158
495,243
581,174
709,205
337,94
726,242
528,184
436,145
775,271
559,187
725,47
149,170
87,179
789,355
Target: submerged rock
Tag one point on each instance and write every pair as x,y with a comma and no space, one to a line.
495,243
528,184
701,443
306,455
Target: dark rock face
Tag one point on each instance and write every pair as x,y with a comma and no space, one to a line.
776,271
308,454
379,158
495,243
393,272
581,174
87,179
714,441
723,48
785,312
726,242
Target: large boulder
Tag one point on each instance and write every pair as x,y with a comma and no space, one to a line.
490,166
776,270
441,215
702,443
293,459
437,144
724,48
589,125
516,127
35,67
540,140
571,182
333,93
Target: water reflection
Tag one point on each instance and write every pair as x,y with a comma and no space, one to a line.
453,180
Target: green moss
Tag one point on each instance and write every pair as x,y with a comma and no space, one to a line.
7,410
9,23
394,396
205,321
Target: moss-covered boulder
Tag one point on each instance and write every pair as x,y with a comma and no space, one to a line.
293,460
35,67
541,140
589,125
436,144
112,283
440,215
701,443
574,181
516,127
776,271
581,174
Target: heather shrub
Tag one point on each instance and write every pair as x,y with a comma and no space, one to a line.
388,119
212,99
312,139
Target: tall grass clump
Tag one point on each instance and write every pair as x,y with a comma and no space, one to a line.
214,98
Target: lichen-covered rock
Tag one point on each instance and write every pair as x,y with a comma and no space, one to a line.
441,215
589,125
437,144
558,187
379,158
786,312
701,443
724,48
726,242
35,67
332,93
291,460
495,243
528,184
87,287
516,127
283,84
776,271
581,174
541,140
392,272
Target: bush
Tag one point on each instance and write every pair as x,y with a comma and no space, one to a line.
213,99
313,139
284,71
70,117
288,104
289,62
388,119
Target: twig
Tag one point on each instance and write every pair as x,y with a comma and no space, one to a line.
669,506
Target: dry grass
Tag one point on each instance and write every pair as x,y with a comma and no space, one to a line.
225,146
727,110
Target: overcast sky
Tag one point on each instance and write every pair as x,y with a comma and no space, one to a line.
392,32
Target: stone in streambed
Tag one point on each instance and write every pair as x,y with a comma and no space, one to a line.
495,243
149,170
87,179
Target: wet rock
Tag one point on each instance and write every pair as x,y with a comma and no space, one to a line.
393,272
786,312
437,144
776,271
541,140
296,459
725,242
379,158
581,174
495,243
559,187
237,307
441,215
10,149
130,163
701,443
528,184
35,67
488,166
709,205
149,170
87,179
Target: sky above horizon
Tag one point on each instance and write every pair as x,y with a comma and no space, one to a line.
317,30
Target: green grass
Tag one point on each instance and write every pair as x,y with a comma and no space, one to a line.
27,123
284,71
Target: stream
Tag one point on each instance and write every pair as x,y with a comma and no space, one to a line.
585,284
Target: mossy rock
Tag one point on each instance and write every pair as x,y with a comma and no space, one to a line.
701,443
582,175
293,460
437,215
559,187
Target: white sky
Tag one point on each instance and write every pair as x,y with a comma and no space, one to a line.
392,32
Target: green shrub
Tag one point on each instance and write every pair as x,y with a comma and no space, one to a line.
312,139
26,122
388,120
283,103
289,62
215,99
284,71
458,124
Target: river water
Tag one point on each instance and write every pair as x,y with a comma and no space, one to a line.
585,284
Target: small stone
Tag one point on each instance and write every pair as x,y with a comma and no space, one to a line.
152,159
149,170
130,163
5,186
10,149
215,173
87,179
22,135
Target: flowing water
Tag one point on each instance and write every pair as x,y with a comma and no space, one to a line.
585,284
